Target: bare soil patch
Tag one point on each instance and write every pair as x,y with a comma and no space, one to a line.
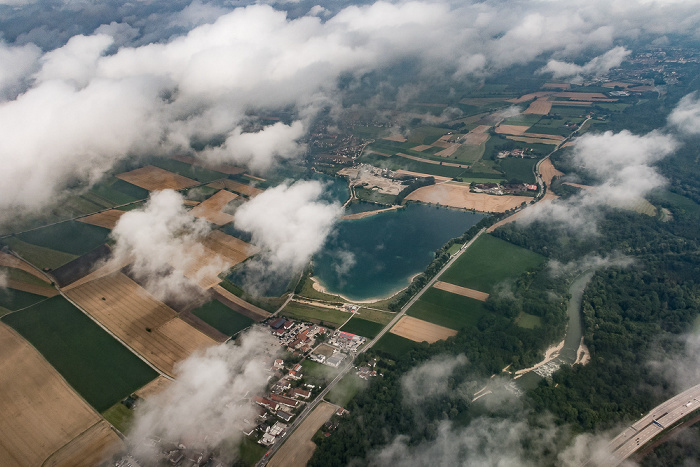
418,174
529,97
422,147
511,129
448,151
32,288
40,411
238,187
527,139
459,196
154,178
91,448
298,448
418,330
456,289
548,171
212,208
477,136
154,387
107,219
147,325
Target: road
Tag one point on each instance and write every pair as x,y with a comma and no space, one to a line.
644,430
311,405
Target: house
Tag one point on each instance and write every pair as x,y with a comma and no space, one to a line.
298,392
267,403
278,323
279,364
335,360
285,401
278,429
284,415
267,439
294,375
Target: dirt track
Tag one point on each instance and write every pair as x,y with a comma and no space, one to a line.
40,411
299,448
154,178
418,330
465,292
459,196
91,448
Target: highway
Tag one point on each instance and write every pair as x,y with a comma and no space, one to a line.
662,417
312,405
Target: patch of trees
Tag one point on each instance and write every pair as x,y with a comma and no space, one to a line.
413,186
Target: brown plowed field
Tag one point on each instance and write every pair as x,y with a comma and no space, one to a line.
154,178
540,106
418,330
456,289
129,312
238,187
32,288
245,308
477,136
448,151
529,97
212,208
91,448
511,129
11,261
40,411
459,196
154,387
298,449
548,171
106,219
223,168
228,246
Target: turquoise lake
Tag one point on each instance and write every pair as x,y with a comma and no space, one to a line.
376,256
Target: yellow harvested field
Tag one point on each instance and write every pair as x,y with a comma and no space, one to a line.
448,151
228,246
253,311
459,196
397,138
107,219
477,136
568,144
418,330
154,387
128,311
585,96
223,168
190,202
101,270
212,208
422,147
154,178
613,84
456,289
11,261
428,161
238,187
556,86
548,171
298,448
32,288
540,106
40,411
527,139
511,129
529,97
96,445
418,174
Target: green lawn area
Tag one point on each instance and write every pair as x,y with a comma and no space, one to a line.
426,134
308,291
362,327
520,168
469,153
328,316
522,120
24,276
394,345
528,321
12,300
381,317
250,451
373,196
39,256
346,389
221,317
490,261
73,237
120,416
454,248
448,309
100,368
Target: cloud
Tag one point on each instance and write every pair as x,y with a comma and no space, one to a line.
680,367
18,62
209,400
588,262
162,244
289,223
4,279
597,67
686,115
623,162
430,379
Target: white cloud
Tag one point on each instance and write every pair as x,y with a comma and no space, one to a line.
16,64
686,116
596,67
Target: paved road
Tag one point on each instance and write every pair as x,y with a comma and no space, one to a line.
311,405
641,432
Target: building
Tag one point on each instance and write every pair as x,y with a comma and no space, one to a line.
286,401
335,360
299,393
284,415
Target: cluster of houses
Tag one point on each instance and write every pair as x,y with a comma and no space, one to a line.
346,341
502,189
172,453
296,337
368,371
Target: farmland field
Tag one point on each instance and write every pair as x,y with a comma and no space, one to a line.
212,208
418,330
100,368
318,373
105,219
456,289
119,191
521,169
362,327
16,299
153,178
460,196
93,447
201,174
72,237
37,255
488,262
394,345
327,316
120,416
448,309
222,318
382,317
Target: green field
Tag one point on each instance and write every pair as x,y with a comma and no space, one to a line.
72,237
469,153
447,309
394,345
522,120
250,452
362,327
398,162
426,134
373,196
327,316
39,256
346,389
519,168
221,317
194,172
528,321
318,373
118,191
100,369
381,317
12,300
488,262
120,416
24,276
